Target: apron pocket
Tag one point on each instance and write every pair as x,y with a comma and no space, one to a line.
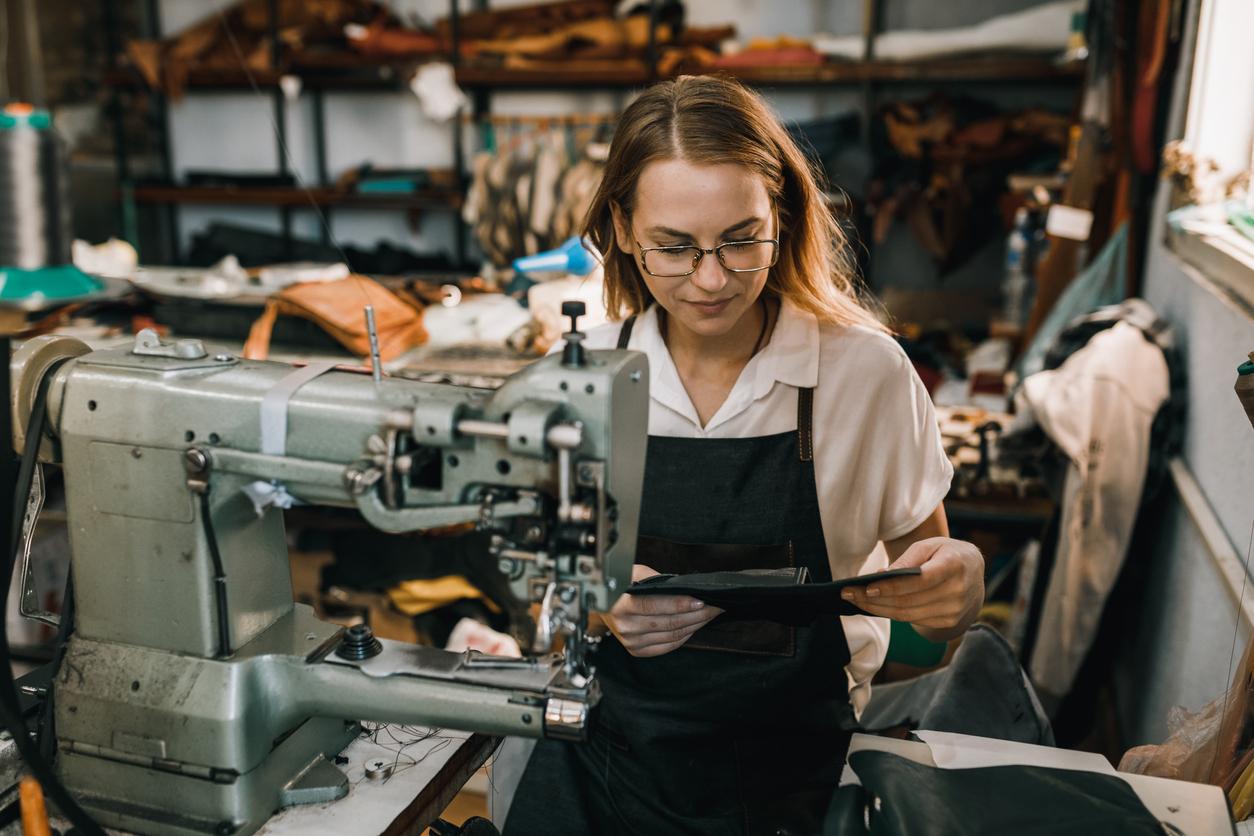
756,638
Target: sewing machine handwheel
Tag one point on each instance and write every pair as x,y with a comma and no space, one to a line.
28,366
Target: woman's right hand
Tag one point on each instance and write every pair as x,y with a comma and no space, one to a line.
651,625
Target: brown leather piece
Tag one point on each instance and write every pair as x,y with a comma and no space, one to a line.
724,634
338,308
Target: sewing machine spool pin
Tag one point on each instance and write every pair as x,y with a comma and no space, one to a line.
376,363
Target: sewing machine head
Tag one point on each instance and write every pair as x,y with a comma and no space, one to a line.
178,458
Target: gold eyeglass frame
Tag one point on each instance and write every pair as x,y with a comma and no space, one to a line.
717,252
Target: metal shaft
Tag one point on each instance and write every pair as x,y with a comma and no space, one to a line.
376,364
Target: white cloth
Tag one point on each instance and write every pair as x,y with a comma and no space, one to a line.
1042,28
880,468
1098,407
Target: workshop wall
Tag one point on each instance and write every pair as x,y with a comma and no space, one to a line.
389,129
1181,649
1186,597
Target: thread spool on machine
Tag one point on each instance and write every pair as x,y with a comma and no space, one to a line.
36,269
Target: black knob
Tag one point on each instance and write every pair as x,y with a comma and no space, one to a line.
572,354
574,310
358,643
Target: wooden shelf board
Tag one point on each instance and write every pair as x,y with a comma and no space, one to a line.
362,77
1014,69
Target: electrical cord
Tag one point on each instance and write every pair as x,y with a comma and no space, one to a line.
10,704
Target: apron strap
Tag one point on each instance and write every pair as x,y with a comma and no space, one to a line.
805,424
624,335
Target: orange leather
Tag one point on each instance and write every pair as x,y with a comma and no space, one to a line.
338,308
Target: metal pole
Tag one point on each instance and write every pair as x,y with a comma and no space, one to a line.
320,152
459,135
160,118
652,53
280,122
870,25
120,157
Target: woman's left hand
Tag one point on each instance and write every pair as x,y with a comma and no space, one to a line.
944,600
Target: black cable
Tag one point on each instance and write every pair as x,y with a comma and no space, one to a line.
47,719
219,577
10,705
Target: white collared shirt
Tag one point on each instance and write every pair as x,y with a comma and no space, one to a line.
880,468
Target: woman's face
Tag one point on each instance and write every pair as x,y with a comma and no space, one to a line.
682,203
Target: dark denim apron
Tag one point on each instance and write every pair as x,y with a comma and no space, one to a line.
744,729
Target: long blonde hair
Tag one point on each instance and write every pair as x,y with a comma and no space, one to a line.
711,120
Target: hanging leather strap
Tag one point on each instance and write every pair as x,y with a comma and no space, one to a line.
805,424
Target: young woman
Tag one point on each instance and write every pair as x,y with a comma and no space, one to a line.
786,428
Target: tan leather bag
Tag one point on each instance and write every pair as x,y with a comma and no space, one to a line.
338,307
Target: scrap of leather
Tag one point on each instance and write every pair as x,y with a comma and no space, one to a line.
783,596
241,32
600,38
518,21
897,794
337,307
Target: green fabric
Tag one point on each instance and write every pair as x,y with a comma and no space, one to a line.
1241,218
907,647
62,283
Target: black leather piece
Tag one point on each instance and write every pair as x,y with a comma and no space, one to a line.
846,812
984,672
1024,800
729,634
784,596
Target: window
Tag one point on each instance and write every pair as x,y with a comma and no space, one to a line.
1218,146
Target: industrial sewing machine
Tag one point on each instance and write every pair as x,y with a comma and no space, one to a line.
194,696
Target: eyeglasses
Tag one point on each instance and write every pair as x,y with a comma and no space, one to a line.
735,256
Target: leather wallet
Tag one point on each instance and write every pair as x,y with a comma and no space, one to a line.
785,596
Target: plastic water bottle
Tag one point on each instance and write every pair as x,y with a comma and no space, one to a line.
1015,282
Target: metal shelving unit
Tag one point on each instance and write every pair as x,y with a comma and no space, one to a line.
316,81
869,75
356,75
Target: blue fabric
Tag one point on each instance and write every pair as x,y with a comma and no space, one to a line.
1103,282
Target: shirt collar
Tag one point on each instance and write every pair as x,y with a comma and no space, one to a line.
665,387
791,357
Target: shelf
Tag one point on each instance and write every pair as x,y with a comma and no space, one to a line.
951,69
833,73
296,197
364,76
628,75
343,74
